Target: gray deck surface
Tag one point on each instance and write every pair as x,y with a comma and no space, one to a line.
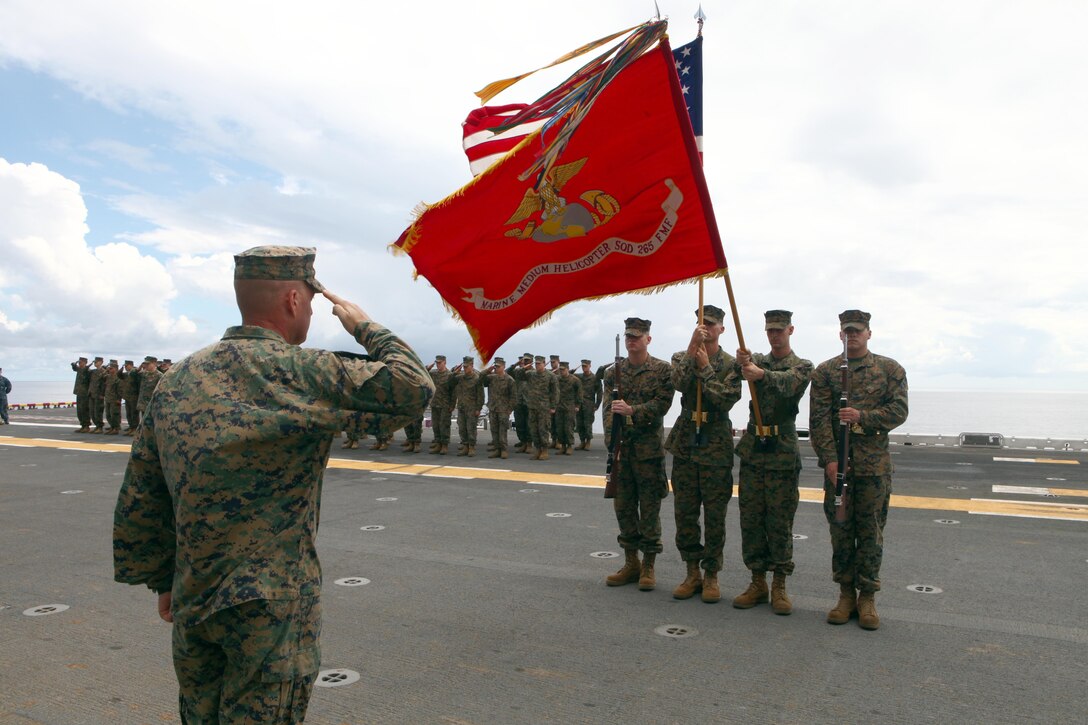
481,608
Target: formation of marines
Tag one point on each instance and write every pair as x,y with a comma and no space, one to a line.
252,418
101,387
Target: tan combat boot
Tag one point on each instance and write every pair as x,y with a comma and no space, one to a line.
780,601
97,429
543,454
647,581
566,450
435,447
846,607
503,454
536,454
867,616
711,592
444,449
754,594
462,450
585,446
377,446
691,584
494,454
406,445
354,444
628,574
415,447
471,452
347,443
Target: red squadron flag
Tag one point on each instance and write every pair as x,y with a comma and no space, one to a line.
623,207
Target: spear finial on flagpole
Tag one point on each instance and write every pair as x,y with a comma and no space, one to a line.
700,16
657,11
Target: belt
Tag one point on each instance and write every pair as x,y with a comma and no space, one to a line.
707,416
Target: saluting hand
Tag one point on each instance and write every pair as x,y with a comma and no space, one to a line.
349,313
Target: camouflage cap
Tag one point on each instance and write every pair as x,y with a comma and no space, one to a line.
112,363
167,361
712,313
151,358
129,362
553,357
538,358
564,365
440,358
526,356
278,263
468,360
636,327
98,358
82,359
854,320
586,362
499,361
777,319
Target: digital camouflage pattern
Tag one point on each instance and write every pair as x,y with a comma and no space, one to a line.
542,394
592,395
219,503
702,475
111,399
130,393
878,389
501,400
414,430
277,648
82,391
641,482
468,395
769,470
278,263
441,405
149,380
97,390
570,398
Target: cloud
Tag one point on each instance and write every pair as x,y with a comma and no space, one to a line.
75,295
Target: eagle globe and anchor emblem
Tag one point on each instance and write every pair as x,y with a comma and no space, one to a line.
551,218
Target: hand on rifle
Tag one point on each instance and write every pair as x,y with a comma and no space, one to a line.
849,415
621,407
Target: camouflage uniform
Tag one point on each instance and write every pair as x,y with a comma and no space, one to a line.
468,395
82,391
702,475
501,398
521,409
640,480
149,380
5,388
96,391
130,392
570,400
878,388
592,395
769,470
440,405
414,431
220,505
111,398
542,392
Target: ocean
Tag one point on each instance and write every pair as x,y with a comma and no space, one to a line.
1025,415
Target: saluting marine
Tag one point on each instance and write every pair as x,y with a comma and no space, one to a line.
542,393
501,398
592,395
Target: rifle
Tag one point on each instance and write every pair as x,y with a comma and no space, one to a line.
617,431
844,440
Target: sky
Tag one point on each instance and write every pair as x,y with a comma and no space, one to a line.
926,162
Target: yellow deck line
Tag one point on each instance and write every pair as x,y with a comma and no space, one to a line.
1048,510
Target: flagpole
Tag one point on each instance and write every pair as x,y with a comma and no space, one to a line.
700,18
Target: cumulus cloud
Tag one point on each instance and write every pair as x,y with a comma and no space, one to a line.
110,296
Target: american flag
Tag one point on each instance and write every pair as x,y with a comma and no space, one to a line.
484,147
